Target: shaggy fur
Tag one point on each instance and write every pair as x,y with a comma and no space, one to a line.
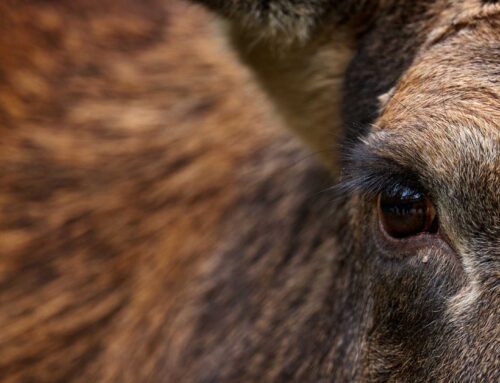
158,224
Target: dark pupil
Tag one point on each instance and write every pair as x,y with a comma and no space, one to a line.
404,213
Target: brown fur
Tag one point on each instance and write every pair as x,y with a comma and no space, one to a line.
157,224
114,173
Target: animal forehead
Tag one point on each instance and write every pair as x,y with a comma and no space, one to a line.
453,77
443,118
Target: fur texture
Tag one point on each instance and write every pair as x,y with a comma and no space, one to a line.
158,224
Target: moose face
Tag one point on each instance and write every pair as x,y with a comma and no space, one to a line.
403,286
429,172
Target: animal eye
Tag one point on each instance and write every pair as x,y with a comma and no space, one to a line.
405,212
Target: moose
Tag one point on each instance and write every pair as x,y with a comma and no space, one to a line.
250,191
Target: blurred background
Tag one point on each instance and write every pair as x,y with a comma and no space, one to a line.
123,128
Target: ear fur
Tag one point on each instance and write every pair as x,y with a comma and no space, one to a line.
299,51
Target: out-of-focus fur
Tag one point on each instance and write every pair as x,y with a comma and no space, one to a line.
159,224
120,150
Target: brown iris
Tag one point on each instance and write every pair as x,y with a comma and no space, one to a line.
405,212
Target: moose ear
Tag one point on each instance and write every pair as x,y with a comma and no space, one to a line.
299,51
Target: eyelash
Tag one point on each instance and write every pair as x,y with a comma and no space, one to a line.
369,174
370,185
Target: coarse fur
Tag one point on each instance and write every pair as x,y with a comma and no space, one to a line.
158,223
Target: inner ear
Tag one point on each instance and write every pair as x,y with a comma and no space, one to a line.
299,52
305,85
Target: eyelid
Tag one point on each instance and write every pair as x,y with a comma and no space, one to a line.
368,173
374,183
